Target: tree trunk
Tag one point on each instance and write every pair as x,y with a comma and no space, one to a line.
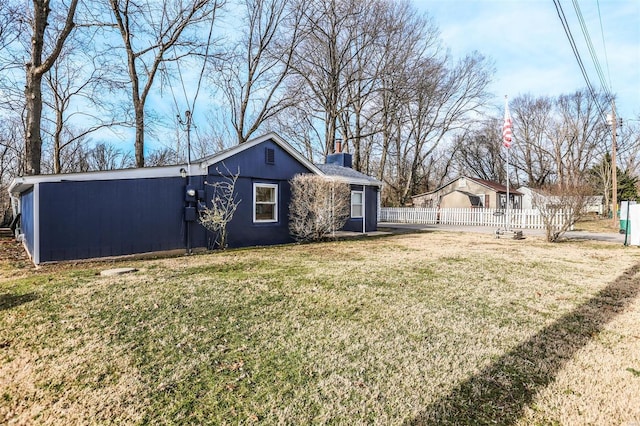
139,144
36,68
33,142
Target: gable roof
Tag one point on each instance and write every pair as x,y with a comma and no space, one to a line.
348,174
498,187
494,186
205,162
197,167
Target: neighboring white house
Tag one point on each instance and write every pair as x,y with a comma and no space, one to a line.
593,204
469,192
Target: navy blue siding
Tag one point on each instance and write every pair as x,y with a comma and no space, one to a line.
253,167
88,219
80,220
27,219
371,203
251,164
242,231
371,211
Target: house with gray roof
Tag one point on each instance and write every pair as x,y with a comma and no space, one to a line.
156,209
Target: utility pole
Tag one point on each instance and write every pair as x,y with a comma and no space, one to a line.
614,167
187,124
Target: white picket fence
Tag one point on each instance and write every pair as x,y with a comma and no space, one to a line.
518,219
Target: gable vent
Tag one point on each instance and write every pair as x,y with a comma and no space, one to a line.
269,156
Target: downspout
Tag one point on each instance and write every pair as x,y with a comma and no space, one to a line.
364,209
35,256
15,204
15,200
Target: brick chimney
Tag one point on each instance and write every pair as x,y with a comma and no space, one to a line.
339,158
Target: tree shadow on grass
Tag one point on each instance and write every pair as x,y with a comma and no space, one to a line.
8,300
499,393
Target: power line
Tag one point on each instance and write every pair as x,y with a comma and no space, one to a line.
576,53
592,51
604,45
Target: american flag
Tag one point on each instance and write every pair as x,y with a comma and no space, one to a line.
507,136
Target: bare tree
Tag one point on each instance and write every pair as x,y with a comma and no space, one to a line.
43,56
323,57
480,152
74,157
533,156
362,75
76,85
10,28
253,76
104,156
576,136
560,207
319,207
163,156
224,203
628,146
154,33
441,103
601,179
11,141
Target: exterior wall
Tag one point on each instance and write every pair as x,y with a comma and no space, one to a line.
455,200
80,220
527,197
450,198
251,164
493,200
27,220
85,219
371,211
426,200
431,200
467,185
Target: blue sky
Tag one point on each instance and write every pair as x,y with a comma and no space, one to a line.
532,54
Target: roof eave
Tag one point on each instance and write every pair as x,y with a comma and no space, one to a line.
22,183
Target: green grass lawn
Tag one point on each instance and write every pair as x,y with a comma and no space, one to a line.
429,328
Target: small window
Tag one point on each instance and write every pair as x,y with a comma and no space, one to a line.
269,156
356,203
265,202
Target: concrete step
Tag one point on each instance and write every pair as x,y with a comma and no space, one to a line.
6,233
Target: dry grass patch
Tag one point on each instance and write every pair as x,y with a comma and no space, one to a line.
597,224
404,329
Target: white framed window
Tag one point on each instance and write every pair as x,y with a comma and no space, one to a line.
265,202
356,204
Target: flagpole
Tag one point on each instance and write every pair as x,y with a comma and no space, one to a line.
508,224
506,142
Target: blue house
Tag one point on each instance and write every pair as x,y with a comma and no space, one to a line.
155,209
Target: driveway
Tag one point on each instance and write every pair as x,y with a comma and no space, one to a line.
578,235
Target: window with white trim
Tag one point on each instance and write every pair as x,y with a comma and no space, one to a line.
265,202
356,204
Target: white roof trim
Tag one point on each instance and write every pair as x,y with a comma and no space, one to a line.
20,184
353,181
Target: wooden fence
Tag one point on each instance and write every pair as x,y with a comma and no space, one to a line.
518,219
